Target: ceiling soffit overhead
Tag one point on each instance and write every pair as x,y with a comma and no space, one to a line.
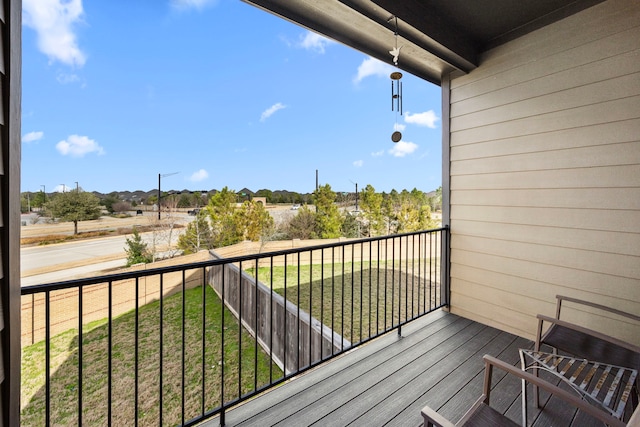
437,36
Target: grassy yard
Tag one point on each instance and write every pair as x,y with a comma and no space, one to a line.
197,387
359,299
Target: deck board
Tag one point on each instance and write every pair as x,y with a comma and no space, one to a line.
396,394
429,365
317,393
436,362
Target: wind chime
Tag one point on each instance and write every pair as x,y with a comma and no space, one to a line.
396,85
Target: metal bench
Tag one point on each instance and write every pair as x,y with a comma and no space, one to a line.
481,413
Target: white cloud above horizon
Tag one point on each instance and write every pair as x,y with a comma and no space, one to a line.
372,67
54,22
198,176
191,4
377,153
314,42
271,111
78,146
428,119
403,148
358,163
32,136
64,78
399,127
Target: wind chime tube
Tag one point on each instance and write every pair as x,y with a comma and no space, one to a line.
400,97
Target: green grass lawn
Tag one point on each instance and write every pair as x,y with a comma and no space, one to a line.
64,366
359,299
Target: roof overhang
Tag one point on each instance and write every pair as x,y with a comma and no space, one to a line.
437,36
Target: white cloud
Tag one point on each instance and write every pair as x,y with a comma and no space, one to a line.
372,67
198,176
314,42
191,4
271,110
377,153
402,148
399,127
78,146
32,136
428,119
358,163
53,21
64,78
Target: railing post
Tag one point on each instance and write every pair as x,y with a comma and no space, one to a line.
445,266
392,269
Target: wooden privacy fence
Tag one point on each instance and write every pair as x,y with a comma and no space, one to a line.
292,337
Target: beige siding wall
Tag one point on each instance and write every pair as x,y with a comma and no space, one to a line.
545,173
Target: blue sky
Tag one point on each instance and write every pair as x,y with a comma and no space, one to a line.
116,92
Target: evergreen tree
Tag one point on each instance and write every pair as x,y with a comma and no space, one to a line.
197,236
137,251
328,218
253,219
302,226
225,228
350,226
371,207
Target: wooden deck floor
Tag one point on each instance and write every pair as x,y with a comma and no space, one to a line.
436,362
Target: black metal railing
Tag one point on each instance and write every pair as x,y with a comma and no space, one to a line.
180,344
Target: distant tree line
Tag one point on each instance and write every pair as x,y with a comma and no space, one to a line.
228,217
225,221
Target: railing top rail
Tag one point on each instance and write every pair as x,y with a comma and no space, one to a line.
67,284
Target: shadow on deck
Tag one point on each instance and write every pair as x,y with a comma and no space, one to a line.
437,362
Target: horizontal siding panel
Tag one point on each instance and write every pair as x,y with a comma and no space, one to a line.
551,86
491,314
567,35
598,134
609,242
588,219
599,50
570,280
614,198
606,112
493,295
596,262
536,292
627,153
485,303
568,99
545,171
596,177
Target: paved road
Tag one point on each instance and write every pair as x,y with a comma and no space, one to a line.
64,261
38,257
52,263
70,273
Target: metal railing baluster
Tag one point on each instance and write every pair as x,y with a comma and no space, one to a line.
398,265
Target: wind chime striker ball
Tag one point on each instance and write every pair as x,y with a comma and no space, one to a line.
396,136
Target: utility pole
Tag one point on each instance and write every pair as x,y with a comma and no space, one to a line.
356,194
356,197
